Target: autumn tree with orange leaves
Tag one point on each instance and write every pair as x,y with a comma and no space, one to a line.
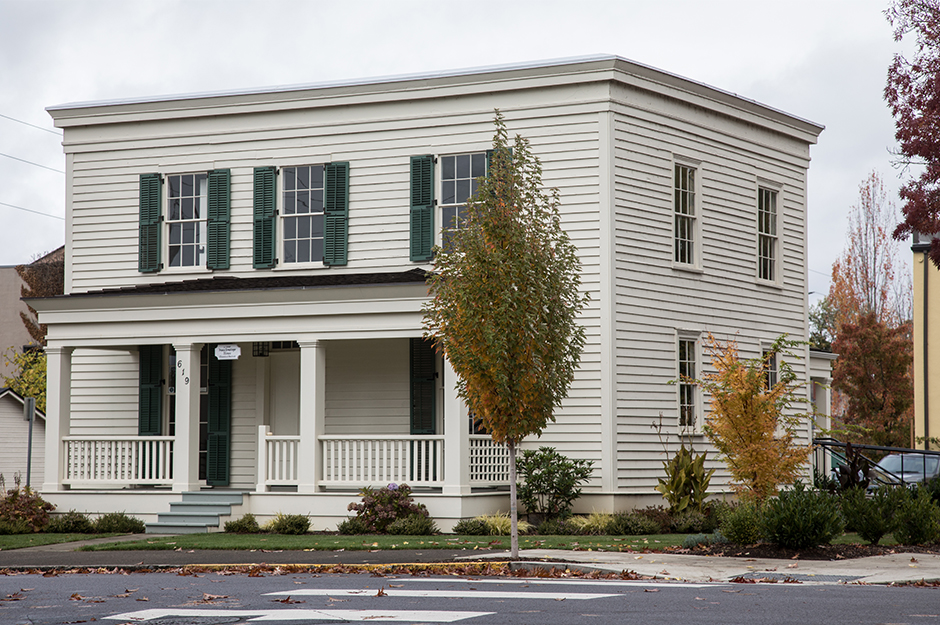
752,423
871,303
505,298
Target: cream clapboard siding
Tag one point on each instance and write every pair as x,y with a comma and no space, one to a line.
564,137
245,419
13,451
105,389
653,300
368,387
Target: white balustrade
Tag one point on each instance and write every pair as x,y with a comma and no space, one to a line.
381,460
277,459
117,461
489,462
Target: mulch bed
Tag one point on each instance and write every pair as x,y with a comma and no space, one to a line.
822,552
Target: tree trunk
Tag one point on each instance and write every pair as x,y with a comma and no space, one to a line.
513,515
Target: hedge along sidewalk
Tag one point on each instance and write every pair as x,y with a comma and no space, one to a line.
334,542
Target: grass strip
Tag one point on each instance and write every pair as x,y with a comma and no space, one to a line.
21,541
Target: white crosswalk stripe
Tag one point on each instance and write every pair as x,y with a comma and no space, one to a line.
294,614
444,594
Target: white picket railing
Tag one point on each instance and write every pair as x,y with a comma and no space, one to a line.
489,461
277,459
381,460
118,461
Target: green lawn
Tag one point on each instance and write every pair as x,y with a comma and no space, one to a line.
325,542
18,541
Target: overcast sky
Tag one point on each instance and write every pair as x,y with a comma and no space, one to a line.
823,60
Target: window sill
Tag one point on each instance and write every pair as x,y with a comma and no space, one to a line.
768,284
687,268
300,266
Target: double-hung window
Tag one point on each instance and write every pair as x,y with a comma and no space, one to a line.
302,216
459,180
191,229
688,367
771,370
684,216
767,238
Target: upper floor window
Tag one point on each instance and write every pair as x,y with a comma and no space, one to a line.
187,204
684,210
302,215
459,174
688,365
767,239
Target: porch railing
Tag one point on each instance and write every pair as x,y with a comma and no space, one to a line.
118,461
381,460
277,459
489,461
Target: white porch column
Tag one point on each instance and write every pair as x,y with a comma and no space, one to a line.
312,412
456,436
58,413
186,445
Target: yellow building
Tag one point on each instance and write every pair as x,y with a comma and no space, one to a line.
926,343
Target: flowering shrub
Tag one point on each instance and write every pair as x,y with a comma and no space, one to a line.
22,510
380,507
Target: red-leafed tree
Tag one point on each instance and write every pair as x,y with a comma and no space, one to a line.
874,373
913,94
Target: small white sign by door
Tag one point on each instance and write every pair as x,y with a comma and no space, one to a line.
228,352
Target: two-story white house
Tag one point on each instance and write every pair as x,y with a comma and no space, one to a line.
245,275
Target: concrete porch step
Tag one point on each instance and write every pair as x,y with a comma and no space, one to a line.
209,520
177,528
196,512
216,497
199,507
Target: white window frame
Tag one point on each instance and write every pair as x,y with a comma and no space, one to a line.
441,207
202,227
695,217
283,217
773,372
766,188
693,337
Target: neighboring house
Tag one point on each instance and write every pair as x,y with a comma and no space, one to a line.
926,333
14,452
245,275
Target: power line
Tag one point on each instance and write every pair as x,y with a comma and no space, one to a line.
23,160
20,121
32,211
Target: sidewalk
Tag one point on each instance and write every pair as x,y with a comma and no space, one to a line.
886,569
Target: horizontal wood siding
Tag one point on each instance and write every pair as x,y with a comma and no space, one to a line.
13,451
105,389
653,299
245,421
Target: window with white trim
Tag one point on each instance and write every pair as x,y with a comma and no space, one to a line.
187,205
767,238
684,222
302,217
771,370
688,391
459,174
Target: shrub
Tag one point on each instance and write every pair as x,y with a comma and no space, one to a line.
871,517
119,523
352,526
23,507
559,527
595,524
694,540
799,518
742,523
288,524
379,507
14,526
916,519
715,511
634,524
71,522
686,481
660,516
245,525
471,527
689,522
551,482
414,525
499,524
933,487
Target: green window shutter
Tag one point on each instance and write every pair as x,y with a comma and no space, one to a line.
422,387
148,259
264,217
422,208
218,219
336,211
150,404
219,420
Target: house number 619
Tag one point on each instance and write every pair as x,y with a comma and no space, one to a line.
179,365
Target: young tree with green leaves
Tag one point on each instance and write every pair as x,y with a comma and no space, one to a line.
505,299
29,379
